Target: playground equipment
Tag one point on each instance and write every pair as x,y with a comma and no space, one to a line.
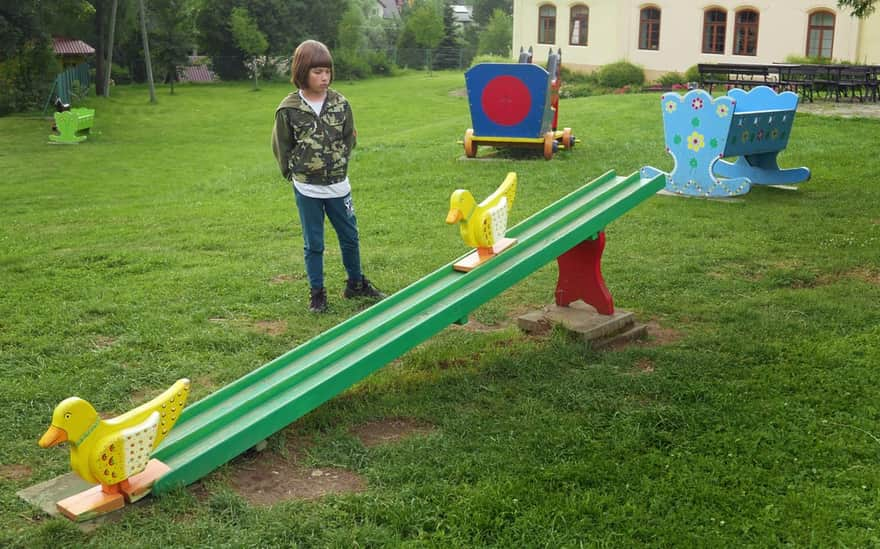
700,131
73,125
113,453
516,105
244,413
483,226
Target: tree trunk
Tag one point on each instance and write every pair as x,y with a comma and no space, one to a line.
100,48
147,51
110,49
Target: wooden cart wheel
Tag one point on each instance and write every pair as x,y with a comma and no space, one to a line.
549,141
470,148
567,138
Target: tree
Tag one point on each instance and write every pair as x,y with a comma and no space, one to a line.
860,8
496,38
483,10
449,48
172,35
27,64
425,26
248,37
146,39
351,37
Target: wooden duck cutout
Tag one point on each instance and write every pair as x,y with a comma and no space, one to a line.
483,226
113,453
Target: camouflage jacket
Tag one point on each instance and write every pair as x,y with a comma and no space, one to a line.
310,148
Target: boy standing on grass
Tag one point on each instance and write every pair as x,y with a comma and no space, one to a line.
312,140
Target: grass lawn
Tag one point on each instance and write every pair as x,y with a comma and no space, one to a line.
167,246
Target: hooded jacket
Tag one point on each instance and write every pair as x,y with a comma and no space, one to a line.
310,148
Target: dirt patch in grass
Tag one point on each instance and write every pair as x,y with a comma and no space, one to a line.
103,342
283,279
388,431
271,327
644,366
657,336
460,92
861,273
478,327
15,471
265,478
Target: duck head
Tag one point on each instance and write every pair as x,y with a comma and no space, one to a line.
73,420
461,206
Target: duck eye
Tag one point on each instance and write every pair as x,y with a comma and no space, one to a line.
67,415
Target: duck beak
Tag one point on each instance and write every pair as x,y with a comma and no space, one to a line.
53,436
454,216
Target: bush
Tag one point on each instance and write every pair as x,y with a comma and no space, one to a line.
671,78
620,74
692,74
120,74
804,60
490,59
379,63
577,77
348,65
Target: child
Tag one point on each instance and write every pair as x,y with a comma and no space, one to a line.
312,140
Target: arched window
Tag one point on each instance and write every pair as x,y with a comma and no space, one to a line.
714,27
745,33
649,29
820,34
577,31
547,24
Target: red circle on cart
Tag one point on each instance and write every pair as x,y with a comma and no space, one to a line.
506,100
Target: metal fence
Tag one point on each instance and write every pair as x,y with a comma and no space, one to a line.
72,83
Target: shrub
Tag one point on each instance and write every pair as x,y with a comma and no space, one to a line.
671,78
577,77
348,65
379,63
622,73
692,74
490,59
804,60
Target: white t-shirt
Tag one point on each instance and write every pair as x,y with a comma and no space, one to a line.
336,190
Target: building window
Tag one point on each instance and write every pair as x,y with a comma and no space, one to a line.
547,25
577,32
745,33
714,25
820,34
649,29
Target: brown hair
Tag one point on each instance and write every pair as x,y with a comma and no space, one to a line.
307,56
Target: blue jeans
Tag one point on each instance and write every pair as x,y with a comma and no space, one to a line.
340,211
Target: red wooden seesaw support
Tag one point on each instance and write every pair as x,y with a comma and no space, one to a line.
580,276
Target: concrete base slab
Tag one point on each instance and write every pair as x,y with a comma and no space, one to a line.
45,496
583,320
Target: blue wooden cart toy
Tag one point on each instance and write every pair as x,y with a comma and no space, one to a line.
700,131
516,105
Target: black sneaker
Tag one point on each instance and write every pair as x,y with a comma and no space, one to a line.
361,288
318,300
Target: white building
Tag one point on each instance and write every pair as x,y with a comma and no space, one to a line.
672,35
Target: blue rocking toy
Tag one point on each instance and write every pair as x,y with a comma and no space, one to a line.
700,131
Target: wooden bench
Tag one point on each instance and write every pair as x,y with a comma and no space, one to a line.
73,125
753,126
731,74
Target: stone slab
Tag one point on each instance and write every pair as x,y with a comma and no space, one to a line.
579,318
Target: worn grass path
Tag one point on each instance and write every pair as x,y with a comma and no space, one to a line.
167,246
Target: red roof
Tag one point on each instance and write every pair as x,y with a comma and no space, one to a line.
69,46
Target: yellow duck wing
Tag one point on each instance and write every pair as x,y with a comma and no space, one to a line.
494,223
124,452
507,190
169,405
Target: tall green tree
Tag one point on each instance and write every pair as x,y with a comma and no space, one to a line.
172,35
449,47
496,38
425,27
249,38
27,64
859,8
483,10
